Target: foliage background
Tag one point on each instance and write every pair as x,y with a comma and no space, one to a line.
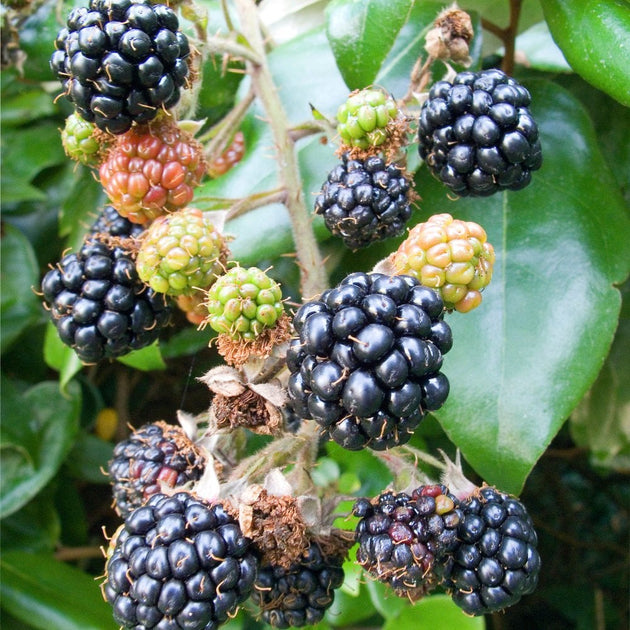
540,401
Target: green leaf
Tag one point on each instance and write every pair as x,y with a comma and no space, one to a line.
25,153
26,107
146,359
35,527
388,604
594,36
60,357
51,595
361,33
436,611
38,429
348,610
19,273
601,422
540,50
523,360
89,457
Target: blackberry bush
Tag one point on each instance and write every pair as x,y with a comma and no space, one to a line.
120,62
365,201
178,563
477,134
154,457
99,306
365,364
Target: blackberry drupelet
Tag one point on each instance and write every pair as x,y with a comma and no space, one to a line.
364,201
110,223
120,62
155,455
98,304
300,595
178,563
365,364
496,562
477,134
402,538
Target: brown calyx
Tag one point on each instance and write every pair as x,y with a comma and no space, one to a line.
249,410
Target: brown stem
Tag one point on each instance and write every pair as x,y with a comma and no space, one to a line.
68,554
313,276
257,200
507,35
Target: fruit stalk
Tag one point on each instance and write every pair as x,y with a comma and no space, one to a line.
313,276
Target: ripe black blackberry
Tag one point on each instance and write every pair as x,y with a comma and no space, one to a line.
178,563
402,538
300,595
110,223
96,300
477,134
496,562
366,360
154,455
121,61
364,201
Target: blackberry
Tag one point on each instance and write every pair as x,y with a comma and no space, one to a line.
180,252
403,538
80,142
152,169
178,563
242,303
364,118
477,134
121,62
449,255
300,595
496,562
365,364
98,304
110,223
155,455
364,201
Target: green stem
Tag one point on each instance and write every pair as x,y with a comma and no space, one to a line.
221,46
313,276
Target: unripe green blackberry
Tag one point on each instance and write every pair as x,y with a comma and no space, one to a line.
364,117
79,141
449,255
244,302
180,252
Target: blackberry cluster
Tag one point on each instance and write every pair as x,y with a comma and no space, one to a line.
365,364
97,302
496,562
178,563
477,134
154,455
121,61
402,537
364,201
110,223
300,595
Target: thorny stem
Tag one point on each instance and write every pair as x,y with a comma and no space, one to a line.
244,205
220,134
507,35
221,45
68,554
313,276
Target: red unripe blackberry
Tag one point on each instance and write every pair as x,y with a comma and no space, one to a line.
298,596
403,537
477,134
365,363
153,457
365,201
229,158
151,170
121,62
98,304
178,563
496,561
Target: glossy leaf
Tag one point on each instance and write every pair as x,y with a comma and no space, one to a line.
38,429
35,527
540,51
594,36
146,359
385,601
60,357
51,595
19,273
361,33
89,458
436,611
522,361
